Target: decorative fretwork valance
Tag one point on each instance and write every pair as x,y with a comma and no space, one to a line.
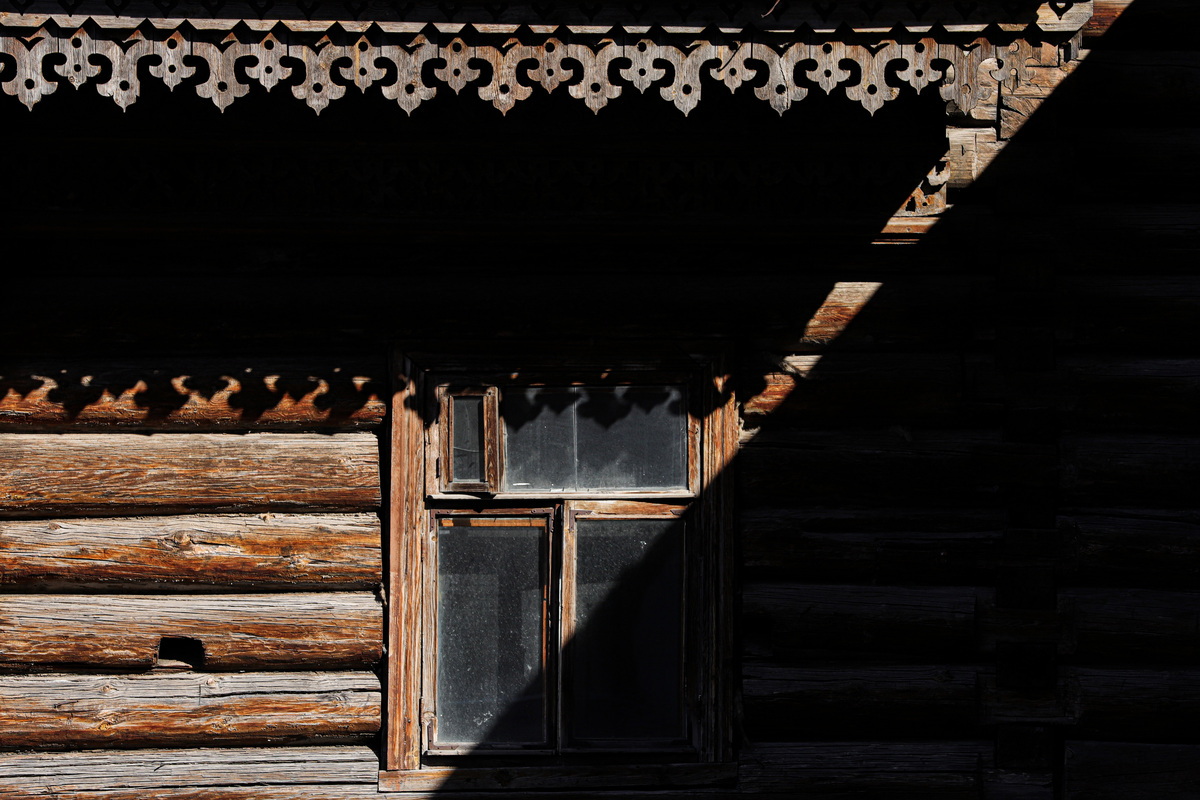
409,62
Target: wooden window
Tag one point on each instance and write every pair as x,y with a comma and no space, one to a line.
557,588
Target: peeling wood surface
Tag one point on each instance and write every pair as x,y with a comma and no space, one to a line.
279,631
338,773
112,474
285,550
164,709
201,394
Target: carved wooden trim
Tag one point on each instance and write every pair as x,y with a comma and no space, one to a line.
319,67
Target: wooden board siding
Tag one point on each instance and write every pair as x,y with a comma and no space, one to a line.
334,551
237,631
194,394
116,474
196,709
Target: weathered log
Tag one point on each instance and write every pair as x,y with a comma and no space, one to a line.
1136,548
273,631
865,769
1144,704
869,389
884,546
786,621
293,550
275,773
1128,771
109,474
1127,312
858,701
201,394
895,467
1135,470
1131,394
191,709
905,312
1129,626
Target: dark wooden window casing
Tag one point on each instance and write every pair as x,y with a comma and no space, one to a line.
681,740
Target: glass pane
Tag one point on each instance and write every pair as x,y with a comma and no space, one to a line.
539,439
632,438
626,657
467,457
490,631
581,438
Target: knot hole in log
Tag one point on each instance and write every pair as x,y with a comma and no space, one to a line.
178,651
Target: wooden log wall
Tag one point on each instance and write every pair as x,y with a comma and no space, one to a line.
191,557
966,528
986,534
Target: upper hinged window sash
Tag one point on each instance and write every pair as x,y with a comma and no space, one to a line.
468,459
565,440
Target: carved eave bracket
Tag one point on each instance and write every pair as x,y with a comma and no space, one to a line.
502,63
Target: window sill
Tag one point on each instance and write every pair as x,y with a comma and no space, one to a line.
602,776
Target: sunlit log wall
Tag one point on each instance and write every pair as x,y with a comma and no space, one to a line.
162,587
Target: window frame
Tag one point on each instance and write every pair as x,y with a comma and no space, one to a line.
417,492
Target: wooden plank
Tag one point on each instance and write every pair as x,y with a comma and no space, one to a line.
188,709
112,474
794,621
337,551
1147,21
319,630
336,773
405,579
858,701
197,394
865,769
901,546
1131,771
1104,14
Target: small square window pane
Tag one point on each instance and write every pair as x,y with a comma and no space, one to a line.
539,439
490,675
631,438
467,458
624,679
